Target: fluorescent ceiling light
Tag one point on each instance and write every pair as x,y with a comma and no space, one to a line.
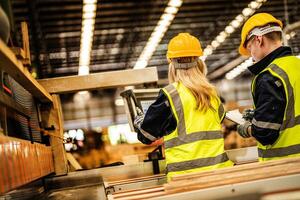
171,10
167,16
175,3
239,69
232,26
235,23
89,8
248,11
83,70
89,15
215,44
254,5
90,1
158,33
220,38
229,29
87,33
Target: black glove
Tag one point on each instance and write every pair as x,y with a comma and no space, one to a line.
243,129
248,114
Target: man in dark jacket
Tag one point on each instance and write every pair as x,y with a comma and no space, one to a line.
275,121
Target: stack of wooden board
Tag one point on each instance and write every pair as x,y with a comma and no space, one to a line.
112,187
256,178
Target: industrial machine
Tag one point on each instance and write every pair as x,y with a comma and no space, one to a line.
138,99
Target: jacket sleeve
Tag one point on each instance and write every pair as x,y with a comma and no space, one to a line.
158,120
270,102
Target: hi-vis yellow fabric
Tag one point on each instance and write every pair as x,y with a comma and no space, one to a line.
288,143
197,143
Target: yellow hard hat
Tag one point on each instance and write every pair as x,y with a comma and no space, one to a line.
257,20
184,45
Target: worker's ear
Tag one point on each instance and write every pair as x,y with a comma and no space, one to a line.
260,40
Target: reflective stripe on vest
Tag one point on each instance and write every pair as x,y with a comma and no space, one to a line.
290,108
286,145
279,152
184,138
192,137
201,162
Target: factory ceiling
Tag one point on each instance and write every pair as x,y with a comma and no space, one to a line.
122,29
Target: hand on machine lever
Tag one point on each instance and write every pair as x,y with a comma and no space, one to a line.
244,130
137,123
138,120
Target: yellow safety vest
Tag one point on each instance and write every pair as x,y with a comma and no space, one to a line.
288,143
197,142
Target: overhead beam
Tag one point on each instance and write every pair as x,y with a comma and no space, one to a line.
222,70
14,67
100,80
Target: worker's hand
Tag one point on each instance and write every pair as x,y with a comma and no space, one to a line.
139,111
138,120
248,114
243,129
158,142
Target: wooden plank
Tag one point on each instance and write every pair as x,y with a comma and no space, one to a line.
142,196
100,80
266,170
19,52
132,180
52,116
242,174
239,168
25,39
140,193
73,162
14,67
20,163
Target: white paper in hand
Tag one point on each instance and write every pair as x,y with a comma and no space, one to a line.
235,116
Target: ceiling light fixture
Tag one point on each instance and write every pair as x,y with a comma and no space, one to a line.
232,26
158,33
87,32
239,69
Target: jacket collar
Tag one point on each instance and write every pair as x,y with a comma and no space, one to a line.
266,61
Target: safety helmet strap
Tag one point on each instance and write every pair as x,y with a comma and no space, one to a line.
187,65
260,31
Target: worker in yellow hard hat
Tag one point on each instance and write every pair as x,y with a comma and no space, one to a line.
187,113
275,123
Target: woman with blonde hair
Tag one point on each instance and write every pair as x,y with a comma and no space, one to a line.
187,113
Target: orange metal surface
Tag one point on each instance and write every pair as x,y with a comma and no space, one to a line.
22,162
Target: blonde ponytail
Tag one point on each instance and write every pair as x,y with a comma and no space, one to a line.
195,80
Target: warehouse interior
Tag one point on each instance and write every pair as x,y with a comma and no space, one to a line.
68,72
